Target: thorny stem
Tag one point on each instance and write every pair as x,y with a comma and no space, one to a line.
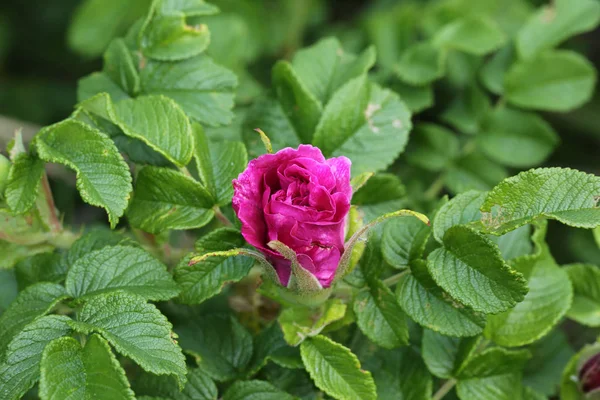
55,224
444,389
222,218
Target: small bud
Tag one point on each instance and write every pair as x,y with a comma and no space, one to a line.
589,375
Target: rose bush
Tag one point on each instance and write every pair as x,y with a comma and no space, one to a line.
300,199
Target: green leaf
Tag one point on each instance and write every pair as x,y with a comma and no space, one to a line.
166,199
335,370
517,139
169,38
91,372
556,22
403,241
203,89
270,345
99,82
23,183
468,110
586,294
557,80
147,118
493,373
198,387
120,268
380,317
470,268
301,107
324,67
8,288
416,98
429,306
494,70
299,323
221,345
473,172
461,209
432,147
381,194
207,278
119,66
188,7
421,63
444,355
515,243
103,177
372,131
33,302
550,355
549,298
475,34
20,369
218,164
566,195
136,329
43,267
255,390
95,239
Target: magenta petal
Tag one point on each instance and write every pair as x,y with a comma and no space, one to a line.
340,167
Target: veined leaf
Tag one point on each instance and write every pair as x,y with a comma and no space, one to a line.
43,267
476,35
586,294
169,38
120,268
119,66
422,63
473,172
191,8
203,89
90,372
34,301
136,330
552,81
566,195
103,177
336,370
429,306
556,22
299,323
99,82
166,199
461,209
198,387
445,355
24,178
249,390
470,268
20,369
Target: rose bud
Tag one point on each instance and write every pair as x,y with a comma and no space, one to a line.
293,206
589,375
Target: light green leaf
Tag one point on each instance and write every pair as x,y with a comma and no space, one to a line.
301,107
99,82
221,345
557,80
218,164
556,22
120,268
91,372
136,329
336,370
429,306
207,278
515,243
586,294
422,63
255,390
416,98
566,195
23,183
20,370
119,66
168,38
166,199
299,323
476,34
203,89
444,355
103,177
474,172
432,147
188,7
549,298
403,241
517,139
470,268
34,301
375,143
494,70
461,209
380,317
324,67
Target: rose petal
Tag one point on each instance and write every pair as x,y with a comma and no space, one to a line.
340,167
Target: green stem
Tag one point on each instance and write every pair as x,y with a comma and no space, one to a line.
222,218
392,280
444,389
435,188
53,222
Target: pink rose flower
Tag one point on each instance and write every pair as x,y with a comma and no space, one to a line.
589,375
301,199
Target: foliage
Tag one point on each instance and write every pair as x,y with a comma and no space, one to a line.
446,107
